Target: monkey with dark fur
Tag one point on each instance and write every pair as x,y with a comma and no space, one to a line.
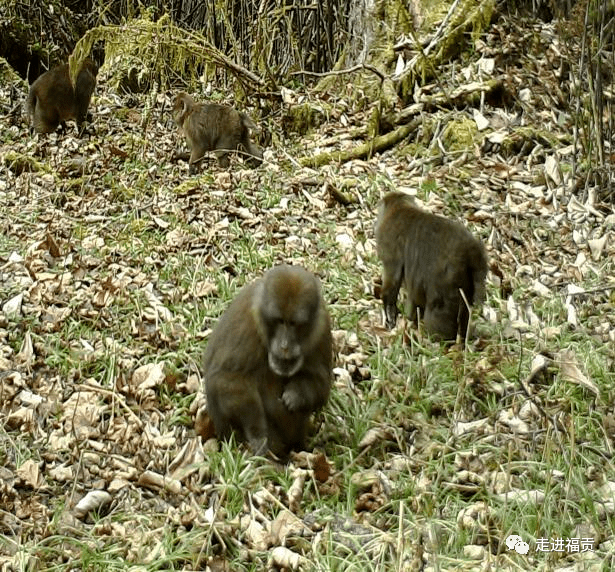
53,99
434,257
268,362
214,127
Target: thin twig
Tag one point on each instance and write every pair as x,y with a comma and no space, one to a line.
344,71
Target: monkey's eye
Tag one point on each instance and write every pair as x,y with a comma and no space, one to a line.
274,323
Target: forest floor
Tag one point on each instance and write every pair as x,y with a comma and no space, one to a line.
115,264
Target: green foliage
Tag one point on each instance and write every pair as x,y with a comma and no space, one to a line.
460,135
168,53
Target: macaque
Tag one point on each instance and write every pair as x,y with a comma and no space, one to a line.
214,127
53,99
268,363
435,257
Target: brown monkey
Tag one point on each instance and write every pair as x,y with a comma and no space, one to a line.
434,257
53,99
214,127
268,362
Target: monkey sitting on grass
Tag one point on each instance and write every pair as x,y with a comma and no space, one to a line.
268,363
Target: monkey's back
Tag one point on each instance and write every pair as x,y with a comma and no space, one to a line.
221,126
53,99
225,376
231,334
50,99
439,253
437,256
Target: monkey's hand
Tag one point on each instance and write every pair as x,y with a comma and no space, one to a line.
293,398
390,312
306,393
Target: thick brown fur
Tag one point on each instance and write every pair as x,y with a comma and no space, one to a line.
214,127
434,257
53,100
268,362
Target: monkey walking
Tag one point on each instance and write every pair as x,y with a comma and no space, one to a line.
53,99
435,257
268,362
214,127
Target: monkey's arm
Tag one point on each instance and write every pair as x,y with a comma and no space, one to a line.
234,403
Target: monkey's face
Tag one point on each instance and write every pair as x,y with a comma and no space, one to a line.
287,309
285,354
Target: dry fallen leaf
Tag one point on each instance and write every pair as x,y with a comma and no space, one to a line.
161,312
256,534
571,372
148,376
284,525
29,472
92,501
295,492
12,307
375,435
285,558
155,481
187,461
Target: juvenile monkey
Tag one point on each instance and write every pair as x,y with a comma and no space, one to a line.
434,257
214,127
53,99
268,362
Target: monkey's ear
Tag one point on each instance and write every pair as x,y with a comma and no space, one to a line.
256,309
258,294
318,285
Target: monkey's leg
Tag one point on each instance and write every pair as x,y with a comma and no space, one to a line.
83,120
183,155
391,282
287,428
253,423
235,404
223,159
259,444
81,125
411,309
287,433
196,156
46,122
